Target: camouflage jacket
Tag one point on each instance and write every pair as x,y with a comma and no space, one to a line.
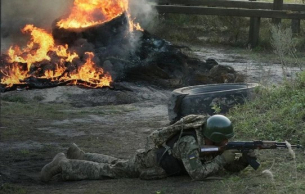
187,150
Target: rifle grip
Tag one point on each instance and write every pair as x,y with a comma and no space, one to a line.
253,163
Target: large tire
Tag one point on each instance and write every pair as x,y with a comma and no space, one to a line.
200,99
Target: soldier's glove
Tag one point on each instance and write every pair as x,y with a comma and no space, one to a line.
229,155
249,153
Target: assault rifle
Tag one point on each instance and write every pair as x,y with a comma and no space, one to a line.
245,146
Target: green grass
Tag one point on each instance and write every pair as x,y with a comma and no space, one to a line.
14,98
8,188
277,113
27,109
233,31
14,106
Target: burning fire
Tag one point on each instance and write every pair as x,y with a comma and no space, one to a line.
87,13
37,48
91,74
92,12
41,48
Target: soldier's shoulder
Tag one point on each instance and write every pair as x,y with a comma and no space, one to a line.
188,139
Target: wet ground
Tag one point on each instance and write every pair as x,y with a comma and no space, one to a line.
37,124
256,71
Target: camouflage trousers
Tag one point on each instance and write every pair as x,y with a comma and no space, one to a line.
98,166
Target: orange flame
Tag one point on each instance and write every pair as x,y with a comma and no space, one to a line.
13,74
39,49
90,74
83,14
132,25
137,27
36,50
87,13
54,74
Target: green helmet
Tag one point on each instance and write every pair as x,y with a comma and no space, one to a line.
218,128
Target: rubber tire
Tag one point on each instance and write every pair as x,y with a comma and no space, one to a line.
200,99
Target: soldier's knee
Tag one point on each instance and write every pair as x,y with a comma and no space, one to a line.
145,159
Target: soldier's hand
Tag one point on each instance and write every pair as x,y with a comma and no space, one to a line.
229,155
250,153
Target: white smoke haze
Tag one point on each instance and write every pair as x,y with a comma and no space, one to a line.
15,14
143,11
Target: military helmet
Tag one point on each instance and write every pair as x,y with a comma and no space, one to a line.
218,128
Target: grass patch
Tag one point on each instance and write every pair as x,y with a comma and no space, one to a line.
277,113
7,188
14,98
223,30
33,110
25,152
38,98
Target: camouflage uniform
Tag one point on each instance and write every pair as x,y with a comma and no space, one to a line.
99,166
182,155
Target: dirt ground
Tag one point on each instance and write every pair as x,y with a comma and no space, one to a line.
37,124
264,70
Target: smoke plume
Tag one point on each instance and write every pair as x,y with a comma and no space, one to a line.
142,11
15,14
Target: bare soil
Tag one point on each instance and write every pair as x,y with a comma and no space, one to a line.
264,70
37,124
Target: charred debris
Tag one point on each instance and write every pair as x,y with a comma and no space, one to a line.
129,56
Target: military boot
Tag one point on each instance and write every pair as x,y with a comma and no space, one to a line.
74,152
52,168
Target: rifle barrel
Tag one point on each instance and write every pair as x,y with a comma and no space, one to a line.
284,145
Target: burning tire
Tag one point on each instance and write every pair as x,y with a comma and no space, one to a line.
204,99
104,34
